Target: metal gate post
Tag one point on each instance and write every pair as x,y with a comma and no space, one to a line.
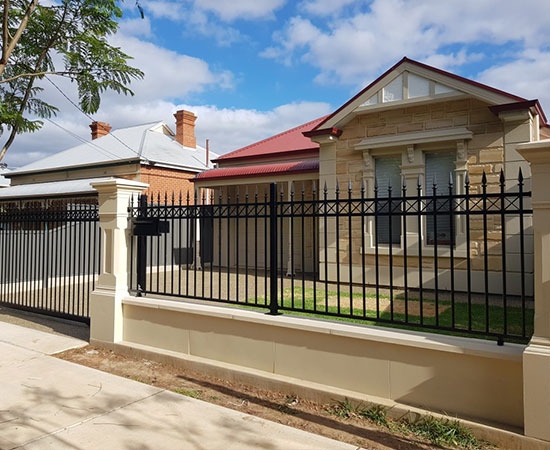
273,303
141,253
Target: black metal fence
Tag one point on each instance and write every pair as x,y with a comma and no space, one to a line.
446,259
49,255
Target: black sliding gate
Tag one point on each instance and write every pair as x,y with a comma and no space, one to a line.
49,255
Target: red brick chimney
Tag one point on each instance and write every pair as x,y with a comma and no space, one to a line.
185,128
100,129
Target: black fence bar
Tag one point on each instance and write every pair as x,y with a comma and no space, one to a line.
49,251
434,259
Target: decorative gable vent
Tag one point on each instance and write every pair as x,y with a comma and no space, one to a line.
409,86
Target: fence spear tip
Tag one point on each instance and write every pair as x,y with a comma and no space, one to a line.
520,175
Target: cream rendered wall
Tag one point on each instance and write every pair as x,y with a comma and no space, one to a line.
459,376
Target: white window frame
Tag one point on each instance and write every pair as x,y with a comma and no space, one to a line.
413,166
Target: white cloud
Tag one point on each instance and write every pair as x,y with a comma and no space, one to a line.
136,27
166,9
227,128
324,7
241,9
528,76
354,49
169,74
195,20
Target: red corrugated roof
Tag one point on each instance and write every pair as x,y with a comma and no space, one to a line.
259,170
290,141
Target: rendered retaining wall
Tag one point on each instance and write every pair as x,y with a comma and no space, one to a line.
459,376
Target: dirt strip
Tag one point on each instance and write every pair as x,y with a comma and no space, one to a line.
270,405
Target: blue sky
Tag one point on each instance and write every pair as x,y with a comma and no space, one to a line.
252,68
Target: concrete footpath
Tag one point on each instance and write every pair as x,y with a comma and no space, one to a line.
48,403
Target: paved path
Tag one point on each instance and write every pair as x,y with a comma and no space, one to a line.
48,403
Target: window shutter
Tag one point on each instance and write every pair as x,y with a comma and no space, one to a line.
438,167
387,170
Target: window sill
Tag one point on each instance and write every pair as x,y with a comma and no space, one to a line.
442,251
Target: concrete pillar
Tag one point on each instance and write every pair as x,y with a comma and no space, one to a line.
112,284
536,357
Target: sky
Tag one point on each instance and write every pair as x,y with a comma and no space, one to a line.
252,68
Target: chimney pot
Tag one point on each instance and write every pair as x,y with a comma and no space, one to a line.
185,128
100,129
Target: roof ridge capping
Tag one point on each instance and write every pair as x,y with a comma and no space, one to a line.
319,130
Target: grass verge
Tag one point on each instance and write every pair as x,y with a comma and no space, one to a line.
441,432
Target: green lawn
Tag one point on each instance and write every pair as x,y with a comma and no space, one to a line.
463,315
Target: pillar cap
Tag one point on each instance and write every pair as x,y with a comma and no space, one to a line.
537,151
119,183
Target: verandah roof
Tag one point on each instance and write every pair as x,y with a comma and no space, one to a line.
260,170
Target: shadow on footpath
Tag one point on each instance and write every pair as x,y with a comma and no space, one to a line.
44,323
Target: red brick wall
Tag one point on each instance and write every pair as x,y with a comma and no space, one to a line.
163,180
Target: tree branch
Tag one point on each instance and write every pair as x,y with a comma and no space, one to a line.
7,50
39,74
5,32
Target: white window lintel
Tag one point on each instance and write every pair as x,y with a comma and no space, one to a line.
417,137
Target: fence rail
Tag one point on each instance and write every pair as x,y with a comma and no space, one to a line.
455,259
49,255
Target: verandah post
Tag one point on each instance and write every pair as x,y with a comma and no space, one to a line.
273,302
536,357
106,320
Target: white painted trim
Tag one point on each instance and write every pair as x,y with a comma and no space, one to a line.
419,137
481,93
451,344
260,179
120,183
409,102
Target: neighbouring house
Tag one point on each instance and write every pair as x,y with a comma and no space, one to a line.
414,124
151,153
286,158
4,182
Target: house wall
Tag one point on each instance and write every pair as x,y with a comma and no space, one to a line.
163,180
160,179
491,149
250,247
